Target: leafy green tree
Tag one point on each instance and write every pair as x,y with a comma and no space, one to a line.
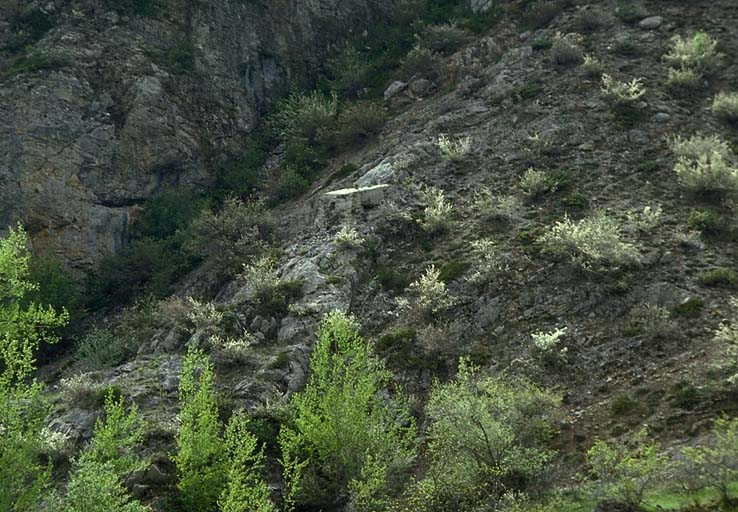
215,472
342,429
487,436
200,457
245,491
624,472
96,483
24,326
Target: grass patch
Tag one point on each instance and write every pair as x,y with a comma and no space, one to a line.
690,308
718,277
453,270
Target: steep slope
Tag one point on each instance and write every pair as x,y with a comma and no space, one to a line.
114,102
639,344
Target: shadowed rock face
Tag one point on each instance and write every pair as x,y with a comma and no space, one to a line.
126,106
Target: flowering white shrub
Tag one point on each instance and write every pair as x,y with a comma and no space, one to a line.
429,296
233,349
498,207
261,277
535,183
593,243
622,93
725,106
204,316
437,213
348,238
645,219
698,52
703,165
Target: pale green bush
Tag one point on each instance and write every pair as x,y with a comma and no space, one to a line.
593,243
79,387
703,165
234,349
713,465
489,265
437,213
261,277
725,106
348,238
683,78
653,320
698,53
420,61
592,66
204,317
625,472
646,219
454,149
498,207
535,183
548,342
622,93
487,436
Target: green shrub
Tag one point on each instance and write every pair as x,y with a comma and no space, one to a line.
343,434
149,8
705,221
100,348
164,214
240,175
359,122
535,183
590,20
420,61
683,79
718,277
487,435
95,487
725,106
690,308
496,207
623,404
350,71
180,58
703,165
592,243
592,66
57,287
308,117
625,472
34,61
631,13
232,235
444,39
540,13
566,51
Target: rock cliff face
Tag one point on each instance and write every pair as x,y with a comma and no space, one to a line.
112,104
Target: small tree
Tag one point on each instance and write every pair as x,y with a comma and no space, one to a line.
96,484
487,436
232,235
624,472
715,464
245,491
200,450
342,431
23,327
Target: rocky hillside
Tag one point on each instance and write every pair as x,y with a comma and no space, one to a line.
105,104
551,196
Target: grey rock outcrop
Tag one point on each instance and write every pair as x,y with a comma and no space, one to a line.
123,106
